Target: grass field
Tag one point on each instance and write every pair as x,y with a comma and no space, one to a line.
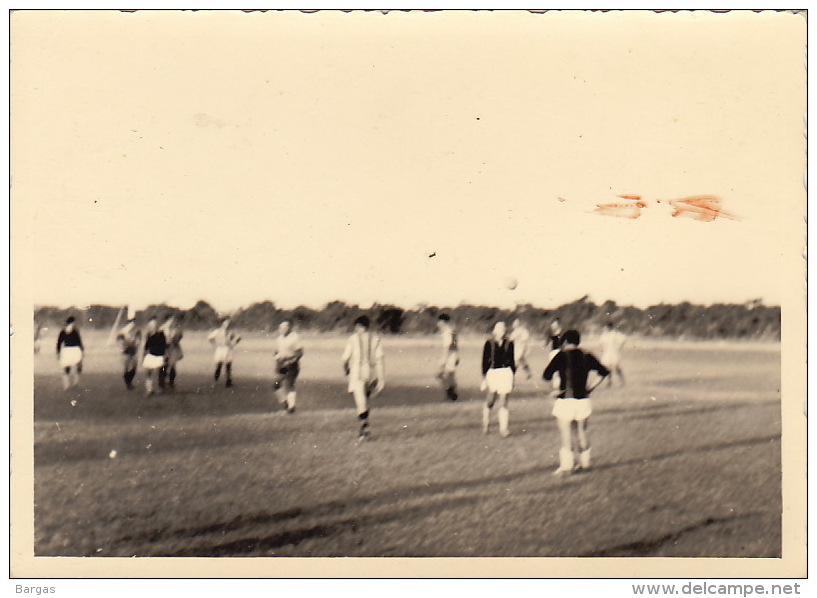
686,460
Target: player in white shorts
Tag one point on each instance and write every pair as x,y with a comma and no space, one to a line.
520,336
224,340
363,363
129,339
287,364
69,353
450,357
498,369
572,406
611,342
154,359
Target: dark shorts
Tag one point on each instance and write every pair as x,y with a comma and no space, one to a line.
286,376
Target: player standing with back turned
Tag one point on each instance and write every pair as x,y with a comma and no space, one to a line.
572,408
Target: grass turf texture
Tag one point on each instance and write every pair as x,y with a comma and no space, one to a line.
686,460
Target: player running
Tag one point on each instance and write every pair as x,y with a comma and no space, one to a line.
129,339
287,364
154,359
520,336
363,363
174,354
612,341
498,369
450,357
224,340
69,353
573,403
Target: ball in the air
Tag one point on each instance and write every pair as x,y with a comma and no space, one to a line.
511,283
112,454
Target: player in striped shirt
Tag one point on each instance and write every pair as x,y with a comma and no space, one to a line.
450,357
363,364
129,338
572,408
69,353
224,340
287,364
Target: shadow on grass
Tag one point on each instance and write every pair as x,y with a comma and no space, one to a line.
647,547
338,507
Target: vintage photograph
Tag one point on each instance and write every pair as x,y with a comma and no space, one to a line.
408,286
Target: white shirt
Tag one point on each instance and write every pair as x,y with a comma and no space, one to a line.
288,345
520,337
611,342
223,337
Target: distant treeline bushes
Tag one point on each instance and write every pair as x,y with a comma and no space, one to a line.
751,320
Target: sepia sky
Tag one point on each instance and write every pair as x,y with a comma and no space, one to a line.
167,157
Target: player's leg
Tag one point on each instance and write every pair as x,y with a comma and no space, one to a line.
66,377
228,369
620,373
584,443
217,373
449,385
362,408
565,448
130,370
150,373
171,371
490,399
291,394
504,416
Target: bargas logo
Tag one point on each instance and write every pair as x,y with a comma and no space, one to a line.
34,590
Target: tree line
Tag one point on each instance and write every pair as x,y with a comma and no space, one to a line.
751,320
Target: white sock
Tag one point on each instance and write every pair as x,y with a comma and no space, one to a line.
66,381
486,417
565,459
584,459
291,400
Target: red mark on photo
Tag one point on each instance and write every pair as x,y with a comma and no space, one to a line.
622,210
703,208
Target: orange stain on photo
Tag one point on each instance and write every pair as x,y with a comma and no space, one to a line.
703,208
622,210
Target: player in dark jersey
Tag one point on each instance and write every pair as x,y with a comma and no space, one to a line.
69,353
498,369
154,359
572,404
